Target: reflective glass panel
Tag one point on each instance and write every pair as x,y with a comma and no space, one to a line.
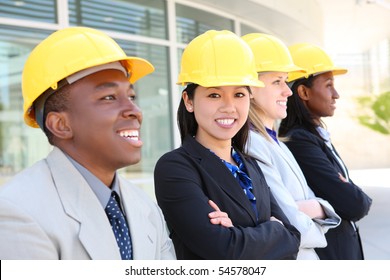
37,10
154,100
140,17
20,145
191,22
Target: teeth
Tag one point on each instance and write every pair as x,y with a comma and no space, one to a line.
129,134
225,121
284,103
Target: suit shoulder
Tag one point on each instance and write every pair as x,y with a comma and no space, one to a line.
30,179
128,186
300,134
176,153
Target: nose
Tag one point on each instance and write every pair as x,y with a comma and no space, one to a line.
228,105
286,90
131,110
335,94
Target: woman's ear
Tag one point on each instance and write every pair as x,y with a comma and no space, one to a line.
58,124
303,92
250,90
188,102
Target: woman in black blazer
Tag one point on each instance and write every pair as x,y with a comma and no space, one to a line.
314,97
210,165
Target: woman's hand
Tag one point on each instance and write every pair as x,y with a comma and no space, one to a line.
273,219
218,217
312,208
342,178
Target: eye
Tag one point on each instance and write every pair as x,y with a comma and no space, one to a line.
240,94
214,95
330,85
131,94
277,82
108,97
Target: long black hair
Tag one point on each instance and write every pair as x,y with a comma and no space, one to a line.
297,113
188,125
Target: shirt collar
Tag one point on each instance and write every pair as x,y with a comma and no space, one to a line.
272,134
101,191
323,133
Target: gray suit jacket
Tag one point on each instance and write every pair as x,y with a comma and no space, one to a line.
288,185
48,211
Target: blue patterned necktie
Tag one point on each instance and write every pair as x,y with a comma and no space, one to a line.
239,172
119,226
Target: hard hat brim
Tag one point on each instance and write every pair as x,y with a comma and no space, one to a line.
138,68
227,82
334,70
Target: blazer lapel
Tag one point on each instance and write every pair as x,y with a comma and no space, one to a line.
223,177
287,156
260,188
143,233
81,204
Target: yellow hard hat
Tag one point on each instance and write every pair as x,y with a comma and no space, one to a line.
218,58
66,52
271,54
313,59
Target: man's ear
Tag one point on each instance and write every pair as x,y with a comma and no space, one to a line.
303,92
58,124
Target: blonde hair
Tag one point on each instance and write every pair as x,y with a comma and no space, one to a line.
255,112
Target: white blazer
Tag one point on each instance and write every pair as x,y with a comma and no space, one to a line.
48,211
288,185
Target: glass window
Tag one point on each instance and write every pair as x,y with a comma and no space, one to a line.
37,10
140,17
191,22
154,100
20,145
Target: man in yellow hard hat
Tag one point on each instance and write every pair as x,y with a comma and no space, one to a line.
78,88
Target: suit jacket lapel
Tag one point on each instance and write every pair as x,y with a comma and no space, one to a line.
260,188
81,204
285,153
223,177
143,233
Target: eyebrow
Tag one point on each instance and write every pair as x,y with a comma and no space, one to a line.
106,85
110,85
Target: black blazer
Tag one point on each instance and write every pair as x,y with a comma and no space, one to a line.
186,178
321,169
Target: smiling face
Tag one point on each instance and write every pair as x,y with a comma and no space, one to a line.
101,126
272,99
320,98
220,113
